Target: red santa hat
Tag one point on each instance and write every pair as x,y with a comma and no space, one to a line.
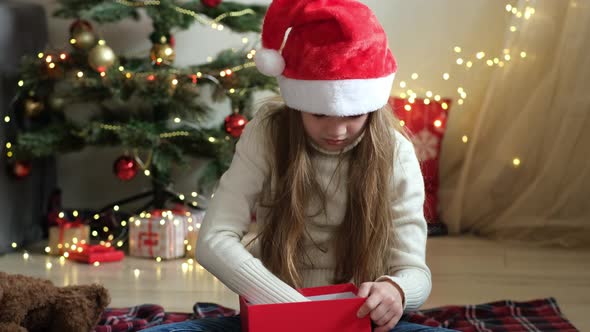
334,60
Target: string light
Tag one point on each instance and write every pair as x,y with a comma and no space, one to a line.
465,139
523,54
490,63
513,28
8,145
480,55
147,172
446,76
80,74
507,57
414,76
426,101
40,55
116,207
402,84
429,94
48,265
508,8
212,139
459,61
460,101
194,194
408,108
47,249
97,263
7,119
445,106
14,245
402,123
516,162
21,83
469,64
437,123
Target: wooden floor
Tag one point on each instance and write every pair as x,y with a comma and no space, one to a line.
465,270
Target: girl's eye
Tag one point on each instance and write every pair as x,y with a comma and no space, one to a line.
319,115
355,116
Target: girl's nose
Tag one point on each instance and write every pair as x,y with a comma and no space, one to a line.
336,128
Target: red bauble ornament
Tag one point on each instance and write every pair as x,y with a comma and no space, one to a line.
80,24
234,124
211,3
125,168
21,169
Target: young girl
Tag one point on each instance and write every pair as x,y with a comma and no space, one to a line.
337,190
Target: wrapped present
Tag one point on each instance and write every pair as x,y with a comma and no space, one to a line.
90,254
193,224
66,234
159,233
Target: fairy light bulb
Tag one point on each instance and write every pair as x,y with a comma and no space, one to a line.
136,273
480,55
426,101
7,119
445,106
429,94
402,84
408,108
47,250
516,162
507,57
403,95
21,83
438,123
465,139
158,259
26,256
437,97
459,61
523,54
194,194
508,7
40,55
147,172
469,64
414,76
80,74
162,222
48,265
513,29
402,123
446,76
181,197
457,49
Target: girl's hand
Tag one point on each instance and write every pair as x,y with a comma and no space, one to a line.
384,302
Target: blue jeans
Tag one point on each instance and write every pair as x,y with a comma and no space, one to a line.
232,324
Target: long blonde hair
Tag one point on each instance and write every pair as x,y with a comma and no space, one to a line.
365,236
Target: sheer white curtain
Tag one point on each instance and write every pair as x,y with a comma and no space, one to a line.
526,173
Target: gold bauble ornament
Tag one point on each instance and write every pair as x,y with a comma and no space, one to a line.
33,107
83,39
162,53
101,58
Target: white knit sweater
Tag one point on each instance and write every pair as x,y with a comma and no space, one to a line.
221,252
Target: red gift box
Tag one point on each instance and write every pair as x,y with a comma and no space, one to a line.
337,314
96,253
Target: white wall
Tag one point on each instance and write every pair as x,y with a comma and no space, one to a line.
422,34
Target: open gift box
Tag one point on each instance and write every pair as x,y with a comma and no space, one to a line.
332,308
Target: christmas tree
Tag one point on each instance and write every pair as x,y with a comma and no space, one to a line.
146,105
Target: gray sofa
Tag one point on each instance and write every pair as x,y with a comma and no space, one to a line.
23,30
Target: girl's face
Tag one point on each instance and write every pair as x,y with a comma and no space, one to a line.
333,133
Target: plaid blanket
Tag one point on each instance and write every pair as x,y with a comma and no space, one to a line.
502,316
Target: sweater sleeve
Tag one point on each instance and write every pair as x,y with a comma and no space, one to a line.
228,216
407,266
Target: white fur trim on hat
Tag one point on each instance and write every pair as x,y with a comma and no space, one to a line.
336,97
269,62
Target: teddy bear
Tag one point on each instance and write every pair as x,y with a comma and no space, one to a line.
35,305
